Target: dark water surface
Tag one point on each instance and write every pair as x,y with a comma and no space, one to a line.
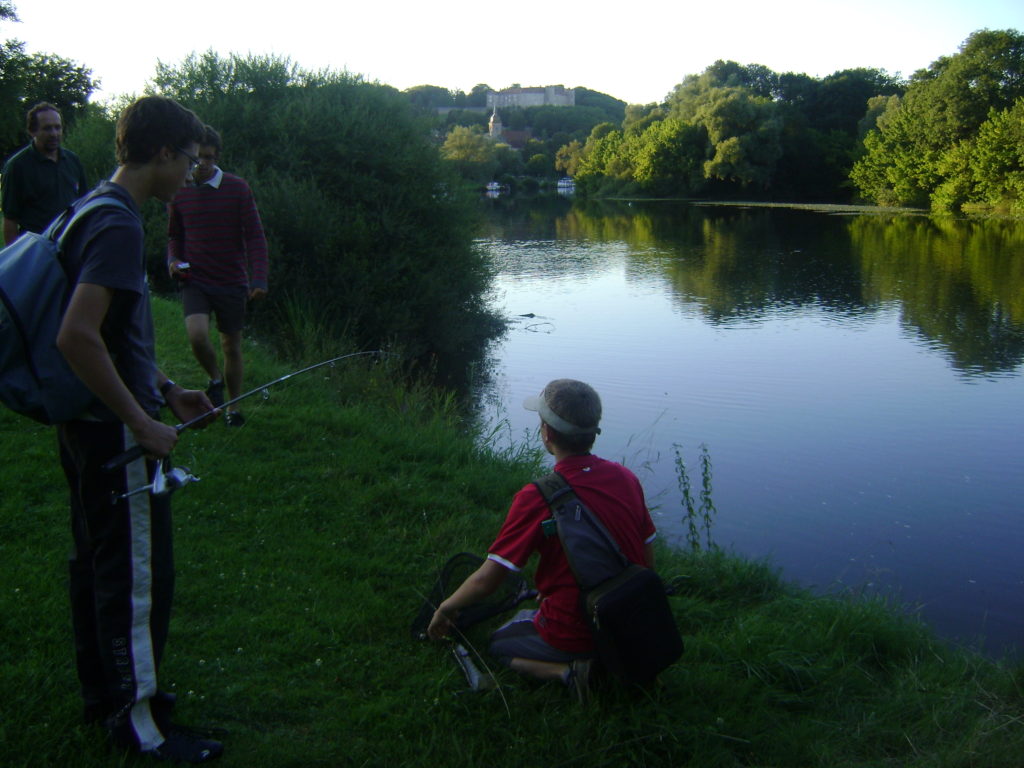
858,380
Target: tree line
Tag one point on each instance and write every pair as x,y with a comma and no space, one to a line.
949,137
369,221
954,139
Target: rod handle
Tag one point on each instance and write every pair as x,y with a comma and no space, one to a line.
126,457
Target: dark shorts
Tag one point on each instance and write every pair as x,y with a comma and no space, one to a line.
226,303
518,639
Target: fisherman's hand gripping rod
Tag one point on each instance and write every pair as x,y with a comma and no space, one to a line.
136,451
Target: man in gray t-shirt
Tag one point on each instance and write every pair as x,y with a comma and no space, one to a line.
122,572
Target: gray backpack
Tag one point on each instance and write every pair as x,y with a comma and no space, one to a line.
35,379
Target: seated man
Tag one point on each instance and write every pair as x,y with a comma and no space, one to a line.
554,642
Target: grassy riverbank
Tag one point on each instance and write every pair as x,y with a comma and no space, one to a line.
302,556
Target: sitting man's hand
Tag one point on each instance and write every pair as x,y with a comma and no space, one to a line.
440,625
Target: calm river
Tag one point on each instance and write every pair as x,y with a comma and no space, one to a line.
858,381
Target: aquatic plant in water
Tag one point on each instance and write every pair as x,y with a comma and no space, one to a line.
696,516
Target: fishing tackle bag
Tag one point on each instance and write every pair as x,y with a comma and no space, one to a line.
35,379
625,604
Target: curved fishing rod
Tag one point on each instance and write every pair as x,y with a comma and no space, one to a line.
137,450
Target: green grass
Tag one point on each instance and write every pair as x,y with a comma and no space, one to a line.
302,556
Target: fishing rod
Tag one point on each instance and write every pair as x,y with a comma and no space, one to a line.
137,450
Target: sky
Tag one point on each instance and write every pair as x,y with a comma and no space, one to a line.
636,51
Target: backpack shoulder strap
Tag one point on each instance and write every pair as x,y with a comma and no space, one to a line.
592,552
552,487
62,226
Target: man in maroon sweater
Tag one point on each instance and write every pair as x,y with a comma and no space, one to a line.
216,246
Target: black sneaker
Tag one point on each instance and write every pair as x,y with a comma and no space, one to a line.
215,391
184,745
234,419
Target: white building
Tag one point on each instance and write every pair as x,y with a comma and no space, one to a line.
545,96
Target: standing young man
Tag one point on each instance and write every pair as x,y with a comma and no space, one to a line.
554,642
216,246
42,179
121,573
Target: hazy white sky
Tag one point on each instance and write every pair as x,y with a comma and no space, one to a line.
635,50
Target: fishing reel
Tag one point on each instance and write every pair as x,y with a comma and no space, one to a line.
166,480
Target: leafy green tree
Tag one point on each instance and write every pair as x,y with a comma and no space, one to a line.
797,89
27,79
877,106
478,95
93,140
429,97
613,109
575,121
918,145
996,159
539,165
568,157
604,155
471,153
744,132
670,157
12,117
59,81
687,98
208,77
466,118
638,117
513,118
370,237
956,93
764,133
838,102
509,162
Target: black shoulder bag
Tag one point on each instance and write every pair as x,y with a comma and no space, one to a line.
624,603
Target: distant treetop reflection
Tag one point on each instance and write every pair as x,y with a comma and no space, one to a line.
958,284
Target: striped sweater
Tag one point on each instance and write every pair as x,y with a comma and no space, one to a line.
218,231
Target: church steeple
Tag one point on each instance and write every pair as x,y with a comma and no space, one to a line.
495,128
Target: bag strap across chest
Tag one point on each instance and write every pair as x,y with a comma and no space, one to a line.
593,554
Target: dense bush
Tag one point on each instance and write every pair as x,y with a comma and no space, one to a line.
368,235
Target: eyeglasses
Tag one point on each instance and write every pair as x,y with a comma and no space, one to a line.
191,158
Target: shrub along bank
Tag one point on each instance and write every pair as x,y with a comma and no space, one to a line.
303,555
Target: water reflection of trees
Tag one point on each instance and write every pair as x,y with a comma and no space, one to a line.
958,284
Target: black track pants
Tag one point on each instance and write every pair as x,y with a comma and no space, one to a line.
121,578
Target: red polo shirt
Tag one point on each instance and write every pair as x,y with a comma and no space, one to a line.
611,492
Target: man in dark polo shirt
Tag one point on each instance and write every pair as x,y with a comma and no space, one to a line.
42,179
